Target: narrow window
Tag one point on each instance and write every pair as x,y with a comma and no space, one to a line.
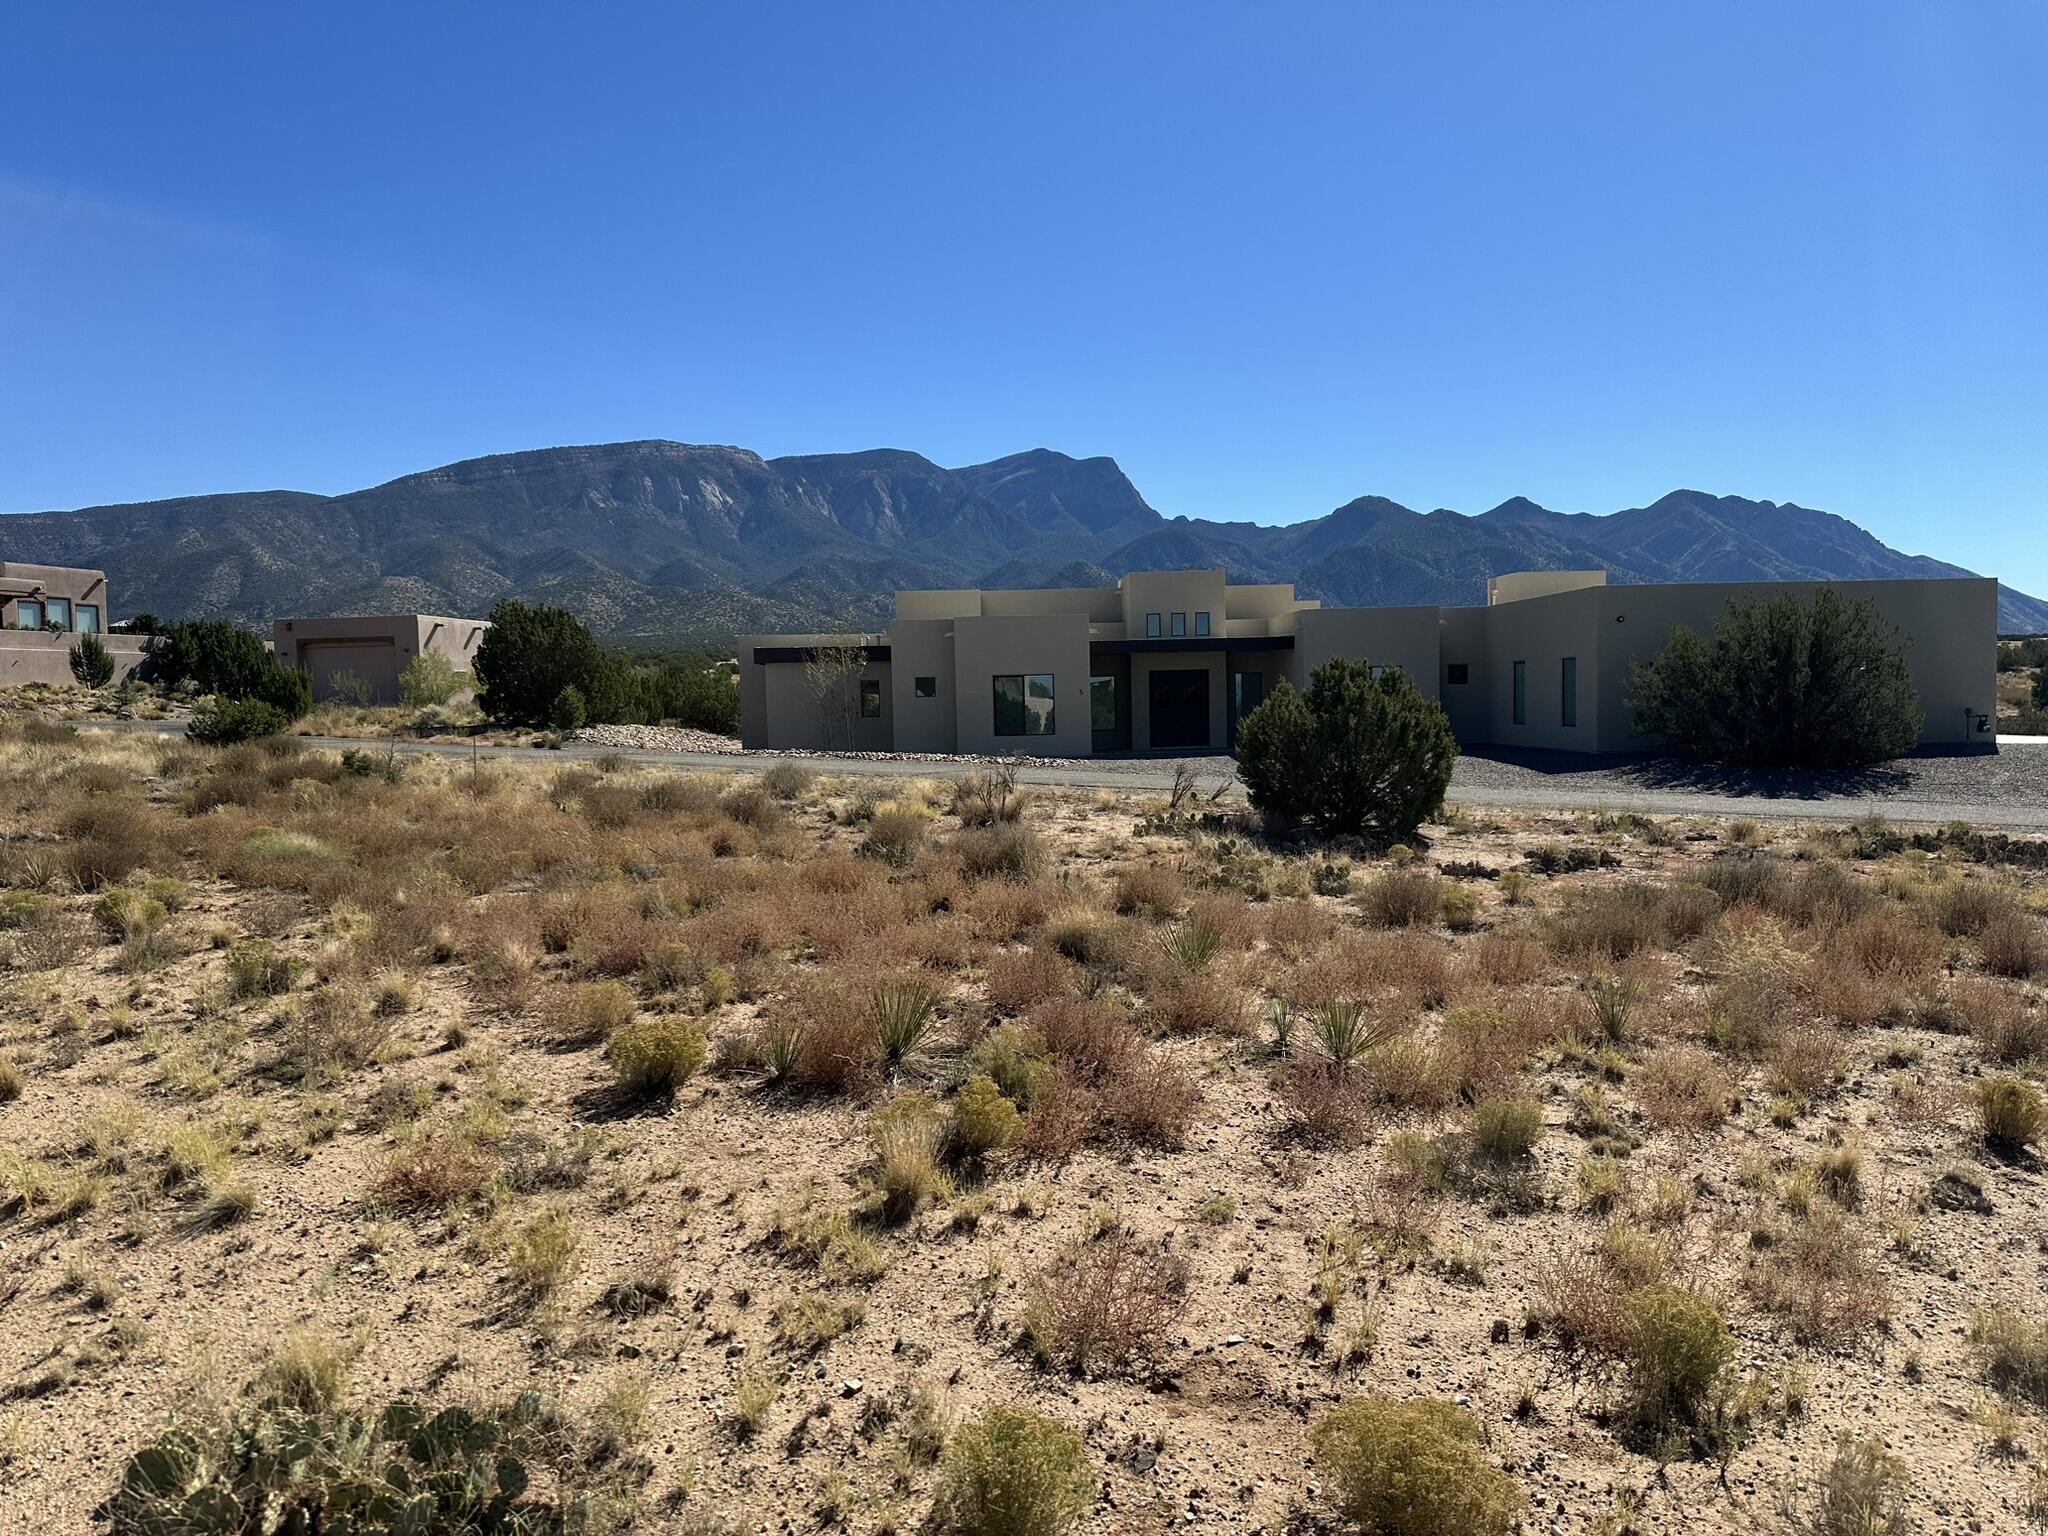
926,687
57,611
1102,703
1151,626
1247,691
1180,625
28,615
870,698
1201,624
88,618
1521,693
1571,690
1010,705
1458,672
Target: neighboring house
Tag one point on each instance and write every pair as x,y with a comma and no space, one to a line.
43,611
1173,660
376,649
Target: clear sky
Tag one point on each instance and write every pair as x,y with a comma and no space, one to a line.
1269,256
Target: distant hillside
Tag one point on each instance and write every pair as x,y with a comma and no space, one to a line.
676,541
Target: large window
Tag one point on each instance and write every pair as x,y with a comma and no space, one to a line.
1101,703
1151,626
1024,704
926,687
28,614
870,698
1571,690
1180,626
1201,623
1521,693
57,611
88,618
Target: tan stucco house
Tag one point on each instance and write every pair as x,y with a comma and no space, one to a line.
376,648
1172,660
43,611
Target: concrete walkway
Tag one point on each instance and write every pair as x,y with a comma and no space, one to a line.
2007,791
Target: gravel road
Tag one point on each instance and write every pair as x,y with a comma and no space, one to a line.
2007,789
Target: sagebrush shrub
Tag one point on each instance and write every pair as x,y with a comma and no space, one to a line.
1013,1472
1415,1468
984,1120
656,1053
1505,1129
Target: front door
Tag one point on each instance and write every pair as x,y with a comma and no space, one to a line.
1180,709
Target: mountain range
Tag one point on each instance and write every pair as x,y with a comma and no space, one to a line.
661,541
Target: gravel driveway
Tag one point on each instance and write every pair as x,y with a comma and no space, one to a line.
2007,789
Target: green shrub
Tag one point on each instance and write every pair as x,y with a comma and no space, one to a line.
1355,753
91,662
984,1121
1507,1128
569,711
1785,681
123,912
657,1053
1013,1472
1413,1468
1677,1348
530,655
428,680
2013,1113
222,724
256,969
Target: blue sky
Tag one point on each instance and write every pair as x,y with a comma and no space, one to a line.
1271,257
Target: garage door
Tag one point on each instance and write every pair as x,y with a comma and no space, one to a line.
375,661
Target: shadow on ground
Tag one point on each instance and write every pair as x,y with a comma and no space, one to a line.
1648,771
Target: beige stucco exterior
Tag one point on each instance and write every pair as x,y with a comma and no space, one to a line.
1181,649
43,611
376,648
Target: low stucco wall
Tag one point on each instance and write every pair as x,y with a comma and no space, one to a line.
37,656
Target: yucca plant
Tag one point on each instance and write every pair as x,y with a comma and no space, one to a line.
902,1011
1191,945
1280,1014
781,1047
1344,1032
1614,1000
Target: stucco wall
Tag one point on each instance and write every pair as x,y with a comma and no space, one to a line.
1169,592
1399,637
923,648
986,647
33,656
72,584
1541,633
378,647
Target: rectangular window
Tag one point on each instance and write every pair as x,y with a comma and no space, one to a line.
1180,625
1521,693
926,687
1024,704
1571,690
1458,672
1101,703
870,698
28,615
1151,626
57,610
1247,691
88,618
1201,624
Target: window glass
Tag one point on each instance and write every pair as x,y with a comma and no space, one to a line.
57,610
1151,626
1038,704
870,698
1571,690
1180,625
1201,623
926,687
28,615
88,618
1102,703
1459,672
1248,691
1521,693
1009,705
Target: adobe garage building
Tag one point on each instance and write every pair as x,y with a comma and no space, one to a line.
377,648
1171,661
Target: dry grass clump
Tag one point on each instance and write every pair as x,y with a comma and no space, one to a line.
2014,944
1013,1472
1506,1129
433,1170
656,1054
1324,1105
1401,898
1821,1275
1000,851
1677,1353
895,836
1022,978
1106,1304
2010,1028
1149,890
1683,1087
2012,1113
909,1136
2014,1351
1414,1468
334,1028
1605,925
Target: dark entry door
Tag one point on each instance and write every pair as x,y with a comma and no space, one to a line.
1180,709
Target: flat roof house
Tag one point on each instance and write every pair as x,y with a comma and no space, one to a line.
376,648
1173,660
43,611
